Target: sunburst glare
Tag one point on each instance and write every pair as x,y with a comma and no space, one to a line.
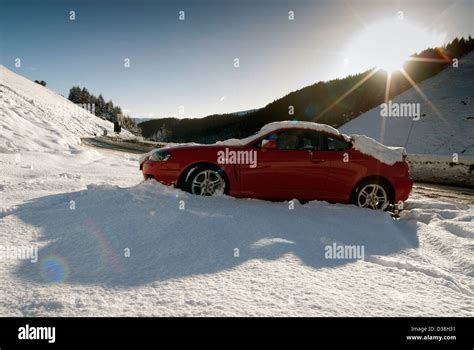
388,44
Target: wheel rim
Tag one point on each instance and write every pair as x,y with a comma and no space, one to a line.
207,183
373,196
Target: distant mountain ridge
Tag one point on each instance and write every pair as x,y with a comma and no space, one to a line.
142,120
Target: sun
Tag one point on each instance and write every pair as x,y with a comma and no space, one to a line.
388,44
392,61
392,41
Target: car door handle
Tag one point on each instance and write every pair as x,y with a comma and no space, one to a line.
313,159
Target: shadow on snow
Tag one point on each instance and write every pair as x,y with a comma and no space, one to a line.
89,244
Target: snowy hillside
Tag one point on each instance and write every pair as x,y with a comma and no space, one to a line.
448,131
34,118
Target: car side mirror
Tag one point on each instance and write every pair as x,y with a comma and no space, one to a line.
269,144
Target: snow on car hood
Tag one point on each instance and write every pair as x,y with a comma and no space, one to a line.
362,143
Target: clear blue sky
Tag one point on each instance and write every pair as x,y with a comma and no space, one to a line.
191,63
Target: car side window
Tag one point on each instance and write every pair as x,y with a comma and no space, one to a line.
308,140
287,140
311,140
296,139
335,144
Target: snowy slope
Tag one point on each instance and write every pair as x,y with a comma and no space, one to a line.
451,131
34,118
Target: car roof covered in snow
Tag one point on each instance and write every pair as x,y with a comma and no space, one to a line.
290,124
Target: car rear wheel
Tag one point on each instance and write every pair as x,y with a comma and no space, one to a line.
373,195
206,181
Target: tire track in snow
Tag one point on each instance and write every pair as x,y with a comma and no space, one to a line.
428,271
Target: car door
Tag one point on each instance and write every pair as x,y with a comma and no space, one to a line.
292,170
314,182
345,167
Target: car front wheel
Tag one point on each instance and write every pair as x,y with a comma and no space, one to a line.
205,181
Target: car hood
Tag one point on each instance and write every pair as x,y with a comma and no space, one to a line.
187,147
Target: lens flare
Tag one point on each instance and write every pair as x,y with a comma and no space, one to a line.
54,269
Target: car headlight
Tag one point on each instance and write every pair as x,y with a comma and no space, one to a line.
160,156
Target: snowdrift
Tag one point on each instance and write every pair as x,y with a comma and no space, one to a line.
173,234
34,118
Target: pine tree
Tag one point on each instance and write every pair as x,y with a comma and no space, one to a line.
100,107
109,111
85,96
75,94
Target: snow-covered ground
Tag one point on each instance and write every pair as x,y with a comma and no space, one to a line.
112,245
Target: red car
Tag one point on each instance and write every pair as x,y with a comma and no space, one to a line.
288,160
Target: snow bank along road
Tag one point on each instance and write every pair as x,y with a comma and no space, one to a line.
109,244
